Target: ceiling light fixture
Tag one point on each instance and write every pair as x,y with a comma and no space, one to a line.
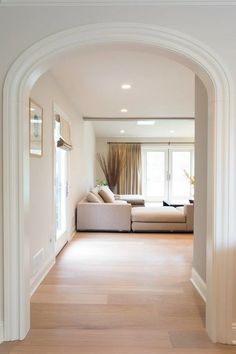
126,86
122,131
172,131
124,110
146,122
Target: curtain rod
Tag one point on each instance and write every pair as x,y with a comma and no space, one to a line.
149,142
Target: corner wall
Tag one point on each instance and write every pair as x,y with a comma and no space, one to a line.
200,188
41,221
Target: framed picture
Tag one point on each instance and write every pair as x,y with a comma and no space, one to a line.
35,129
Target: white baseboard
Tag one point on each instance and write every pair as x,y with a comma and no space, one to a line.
234,333
199,284
1,332
73,233
38,278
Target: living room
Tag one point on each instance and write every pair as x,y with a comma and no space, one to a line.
85,87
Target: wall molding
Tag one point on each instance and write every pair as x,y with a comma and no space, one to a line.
37,279
199,284
1,332
117,3
234,333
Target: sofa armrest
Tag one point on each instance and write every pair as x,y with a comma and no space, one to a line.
107,216
189,213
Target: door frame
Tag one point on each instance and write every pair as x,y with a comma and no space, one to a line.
221,222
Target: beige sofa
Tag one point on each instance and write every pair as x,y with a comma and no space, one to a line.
99,211
163,219
103,216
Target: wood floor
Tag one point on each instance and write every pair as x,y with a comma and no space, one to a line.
119,294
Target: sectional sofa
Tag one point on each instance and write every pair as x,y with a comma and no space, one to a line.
101,212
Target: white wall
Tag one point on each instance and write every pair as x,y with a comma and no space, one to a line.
200,188
41,223
20,27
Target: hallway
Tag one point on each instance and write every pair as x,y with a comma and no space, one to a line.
119,294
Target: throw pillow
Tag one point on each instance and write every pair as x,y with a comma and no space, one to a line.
92,198
95,191
107,194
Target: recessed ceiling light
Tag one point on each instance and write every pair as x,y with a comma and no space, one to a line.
172,131
122,131
126,86
124,110
146,122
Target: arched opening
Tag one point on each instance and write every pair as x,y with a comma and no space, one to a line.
24,73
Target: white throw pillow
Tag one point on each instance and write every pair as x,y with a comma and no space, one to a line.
106,194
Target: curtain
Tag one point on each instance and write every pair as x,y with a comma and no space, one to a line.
130,178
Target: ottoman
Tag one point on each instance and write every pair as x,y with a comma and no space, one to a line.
163,219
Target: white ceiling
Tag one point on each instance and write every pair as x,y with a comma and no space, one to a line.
92,79
164,128
116,2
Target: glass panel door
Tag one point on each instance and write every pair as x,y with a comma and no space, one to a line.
155,186
180,163
61,193
164,175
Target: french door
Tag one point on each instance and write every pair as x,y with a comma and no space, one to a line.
61,194
164,172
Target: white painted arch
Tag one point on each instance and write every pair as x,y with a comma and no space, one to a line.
21,77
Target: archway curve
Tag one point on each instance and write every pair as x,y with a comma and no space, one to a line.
21,77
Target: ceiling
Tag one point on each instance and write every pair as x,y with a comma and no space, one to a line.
115,2
91,78
164,128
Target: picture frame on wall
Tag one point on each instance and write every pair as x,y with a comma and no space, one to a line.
35,129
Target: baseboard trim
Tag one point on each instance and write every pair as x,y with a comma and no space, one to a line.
1,332
199,284
38,278
234,333
72,235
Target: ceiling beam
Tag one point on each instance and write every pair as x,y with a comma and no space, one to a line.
110,119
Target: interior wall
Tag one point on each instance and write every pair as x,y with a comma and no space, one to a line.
20,27
41,221
200,188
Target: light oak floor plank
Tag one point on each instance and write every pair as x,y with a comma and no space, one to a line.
119,293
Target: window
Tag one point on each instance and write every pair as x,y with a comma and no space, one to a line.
164,172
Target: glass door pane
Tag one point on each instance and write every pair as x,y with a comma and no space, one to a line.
61,190
155,175
180,186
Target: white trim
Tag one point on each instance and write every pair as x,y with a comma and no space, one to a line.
1,332
38,278
221,223
199,284
73,234
117,3
234,333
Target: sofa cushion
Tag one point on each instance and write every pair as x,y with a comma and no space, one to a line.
106,194
159,214
120,202
92,198
95,191
134,199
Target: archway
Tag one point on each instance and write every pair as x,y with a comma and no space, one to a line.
21,77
